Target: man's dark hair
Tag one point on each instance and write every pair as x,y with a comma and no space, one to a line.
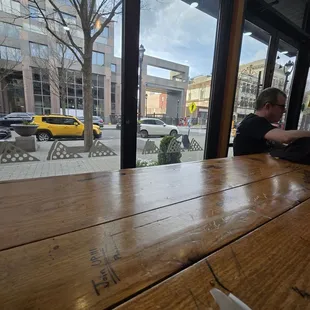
270,95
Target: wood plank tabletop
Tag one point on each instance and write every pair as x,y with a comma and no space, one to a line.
102,265
267,269
36,209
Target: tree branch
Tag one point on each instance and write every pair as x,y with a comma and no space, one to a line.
106,22
97,12
59,38
65,24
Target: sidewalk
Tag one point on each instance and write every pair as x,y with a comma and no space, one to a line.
45,168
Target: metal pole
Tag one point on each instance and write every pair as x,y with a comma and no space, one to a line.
258,83
177,123
146,105
130,63
140,87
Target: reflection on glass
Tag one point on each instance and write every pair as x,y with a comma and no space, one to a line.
304,117
250,74
175,74
284,71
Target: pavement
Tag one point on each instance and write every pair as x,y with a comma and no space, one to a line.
110,138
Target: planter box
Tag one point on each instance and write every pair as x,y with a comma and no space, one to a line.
25,130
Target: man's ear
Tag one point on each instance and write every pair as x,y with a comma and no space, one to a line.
268,105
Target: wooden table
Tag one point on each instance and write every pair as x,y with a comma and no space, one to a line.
158,238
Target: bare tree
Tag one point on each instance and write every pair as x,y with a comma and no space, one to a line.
93,17
56,64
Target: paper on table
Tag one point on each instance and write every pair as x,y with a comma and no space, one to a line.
230,302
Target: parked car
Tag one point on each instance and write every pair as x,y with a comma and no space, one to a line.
156,127
5,133
97,120
61,126
15,118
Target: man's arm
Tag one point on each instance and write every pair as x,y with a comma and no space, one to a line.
285,136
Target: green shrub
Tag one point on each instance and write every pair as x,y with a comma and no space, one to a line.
145,163
165,158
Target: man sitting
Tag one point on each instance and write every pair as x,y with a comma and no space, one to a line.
256,134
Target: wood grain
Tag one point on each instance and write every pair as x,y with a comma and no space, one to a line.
36,209
267,269
140,250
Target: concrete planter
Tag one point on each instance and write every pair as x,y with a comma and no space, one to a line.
25,130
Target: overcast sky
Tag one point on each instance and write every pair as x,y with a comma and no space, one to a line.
172,30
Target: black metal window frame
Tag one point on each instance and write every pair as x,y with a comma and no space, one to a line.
257,12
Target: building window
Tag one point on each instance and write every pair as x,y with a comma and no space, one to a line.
34,12
98,94
69,19
202,93
113,68
41,91
64,52
103,37
105,32
113,97
38,50
74,89
10,53
9,30
98,58
8,6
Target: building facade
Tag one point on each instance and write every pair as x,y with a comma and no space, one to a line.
249,84
199,93
25,49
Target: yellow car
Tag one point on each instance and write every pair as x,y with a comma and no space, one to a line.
61,126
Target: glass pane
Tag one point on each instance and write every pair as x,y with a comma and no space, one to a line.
100,80
171,31
46,89
100,93
284,72
37,88
71,91
304,118
56,81
250,75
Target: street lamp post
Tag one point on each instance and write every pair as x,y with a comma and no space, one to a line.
288,68
178,104
145,105
141,56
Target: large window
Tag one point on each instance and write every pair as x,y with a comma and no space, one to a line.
175,67
250,74
113,68
98,58
284,71
103,37
34,12
9,6
98,94
10,53
9,30
113,98
38,50
41,91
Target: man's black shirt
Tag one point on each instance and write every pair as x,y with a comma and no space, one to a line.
250,136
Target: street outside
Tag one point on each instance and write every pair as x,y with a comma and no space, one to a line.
110,138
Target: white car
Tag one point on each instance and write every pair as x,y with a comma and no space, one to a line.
156,127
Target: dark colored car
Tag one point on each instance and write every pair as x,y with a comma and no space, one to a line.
5,133
15,118
97,120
